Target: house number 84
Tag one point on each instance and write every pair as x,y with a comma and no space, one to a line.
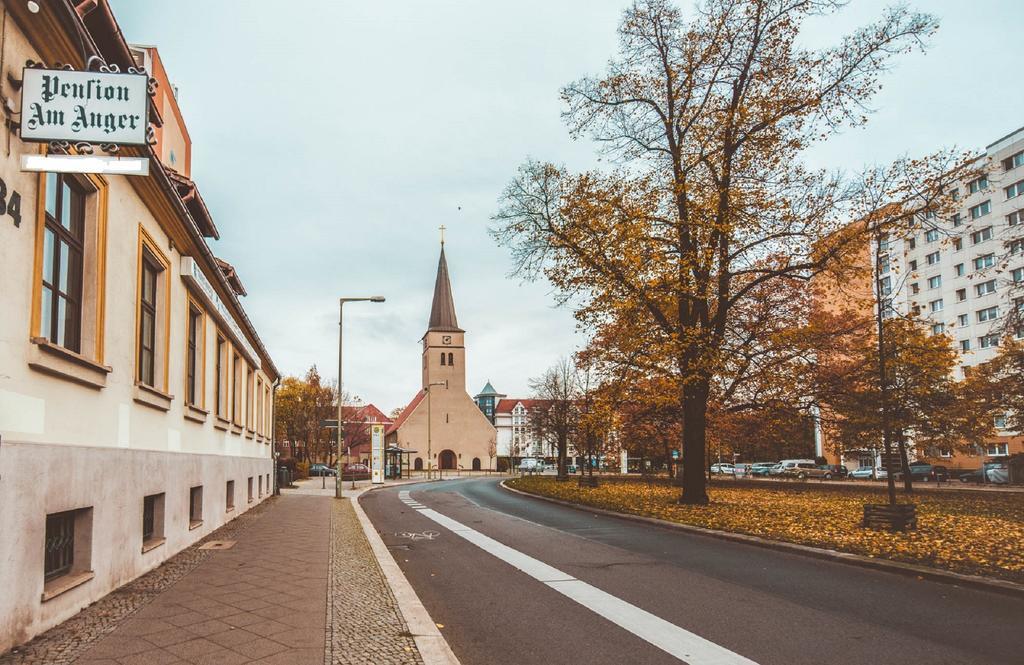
12,206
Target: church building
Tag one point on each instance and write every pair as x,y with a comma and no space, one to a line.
442,423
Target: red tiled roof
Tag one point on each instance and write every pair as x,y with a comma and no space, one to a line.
406,412
368,413
506,405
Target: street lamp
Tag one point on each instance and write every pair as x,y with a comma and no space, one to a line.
341,392
430,456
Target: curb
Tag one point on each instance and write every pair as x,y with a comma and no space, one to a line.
896,567
431,644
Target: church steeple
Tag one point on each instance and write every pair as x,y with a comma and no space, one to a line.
442,311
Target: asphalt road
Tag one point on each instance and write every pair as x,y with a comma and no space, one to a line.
612,590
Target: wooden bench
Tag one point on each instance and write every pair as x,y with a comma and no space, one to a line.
898,517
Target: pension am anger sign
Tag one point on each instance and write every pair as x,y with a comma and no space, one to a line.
90,107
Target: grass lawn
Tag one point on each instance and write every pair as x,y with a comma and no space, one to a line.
967,532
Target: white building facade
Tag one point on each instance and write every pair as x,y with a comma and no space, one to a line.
136,399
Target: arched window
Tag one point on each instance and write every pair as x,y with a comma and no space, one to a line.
451,359
418,464
442,358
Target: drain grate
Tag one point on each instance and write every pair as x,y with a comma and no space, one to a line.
218,545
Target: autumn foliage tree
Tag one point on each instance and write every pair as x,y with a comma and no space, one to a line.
705,120
302,404
922,405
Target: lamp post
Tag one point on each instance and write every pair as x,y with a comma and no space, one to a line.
430,456
341,392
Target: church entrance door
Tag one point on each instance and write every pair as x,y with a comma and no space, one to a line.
447,459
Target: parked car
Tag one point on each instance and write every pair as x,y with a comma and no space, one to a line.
722,468
761,468
355,472
786,466
805,470
775,469
321,470
996,473
837,470
924,472
865,473
531,465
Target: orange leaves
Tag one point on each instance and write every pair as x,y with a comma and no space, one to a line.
970,533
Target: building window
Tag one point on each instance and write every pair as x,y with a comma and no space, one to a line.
962,320
195,506
984,261
999,421
997,450
442,359
981,235
1016,246
193,355
958,244
988,314
229,495
936,305
1015,190
965,345
1013,161
980,210
1018,275
451,359
1015,218
959,268
957,219
63,249
911,242
914,288
932,258
151,270
59,556
152,520
985,288
248,398
988,341
931,235
248,497
883,264
935,282
913,265
259,481
236,392
978,184
220,379
938,328
961,295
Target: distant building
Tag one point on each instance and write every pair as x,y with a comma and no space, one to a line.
136,398
964,276
487,401
516,437
454,434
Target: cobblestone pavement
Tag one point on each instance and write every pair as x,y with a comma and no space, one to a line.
63,644
367,626
300,586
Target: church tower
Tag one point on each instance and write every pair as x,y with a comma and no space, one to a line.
444,351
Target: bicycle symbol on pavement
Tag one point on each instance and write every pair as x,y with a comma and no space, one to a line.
424,535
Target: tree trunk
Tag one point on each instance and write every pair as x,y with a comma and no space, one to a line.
908,482
695,405
563,451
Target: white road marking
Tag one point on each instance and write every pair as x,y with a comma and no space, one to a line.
670,638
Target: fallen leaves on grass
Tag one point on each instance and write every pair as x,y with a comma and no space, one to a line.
975,533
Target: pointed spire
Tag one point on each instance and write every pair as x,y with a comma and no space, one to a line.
442,311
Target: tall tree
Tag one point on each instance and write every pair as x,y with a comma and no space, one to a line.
554,417
707,119
919,401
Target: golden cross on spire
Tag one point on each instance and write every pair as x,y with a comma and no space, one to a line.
442,228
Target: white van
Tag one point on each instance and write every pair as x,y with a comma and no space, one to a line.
531,465
787,464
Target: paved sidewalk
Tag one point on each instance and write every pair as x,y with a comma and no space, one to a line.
299,586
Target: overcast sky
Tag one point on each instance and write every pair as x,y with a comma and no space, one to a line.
331,139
